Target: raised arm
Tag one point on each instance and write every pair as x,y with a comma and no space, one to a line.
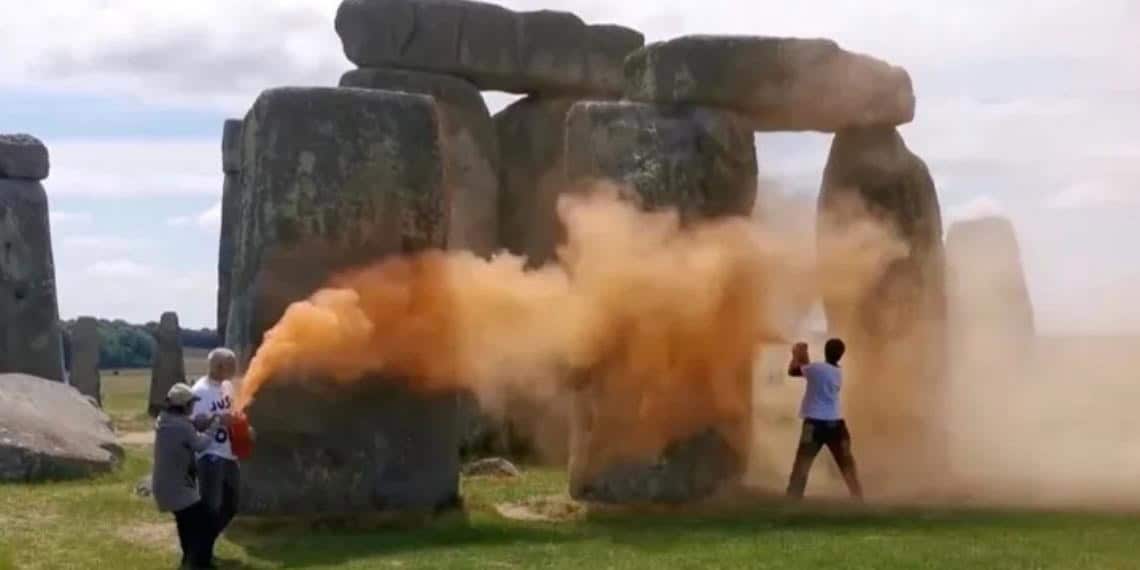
799,359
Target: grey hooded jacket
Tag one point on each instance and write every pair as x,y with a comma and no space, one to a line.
173,478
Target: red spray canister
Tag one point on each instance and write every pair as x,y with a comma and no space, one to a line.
241,440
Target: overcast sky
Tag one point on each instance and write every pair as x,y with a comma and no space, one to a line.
1030,109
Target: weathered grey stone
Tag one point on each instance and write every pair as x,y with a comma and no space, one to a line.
685,471
231,146
144,487
29,317
23,157
339,450
491,467
85,359
48,430
532,139
896,329
780,84
495,48
168,367
471,151
700,161
990,312
231,202
335,178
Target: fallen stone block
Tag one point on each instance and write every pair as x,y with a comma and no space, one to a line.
48,430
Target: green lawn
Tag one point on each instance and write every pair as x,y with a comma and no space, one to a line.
100,524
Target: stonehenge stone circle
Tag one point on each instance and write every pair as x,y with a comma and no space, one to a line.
403,156
30,334
85,359
51,431
23,157
493,47
471,150
896,332
168,368
336,177
698,160
990,312
780,84
231,201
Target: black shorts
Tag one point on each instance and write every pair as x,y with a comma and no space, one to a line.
818,433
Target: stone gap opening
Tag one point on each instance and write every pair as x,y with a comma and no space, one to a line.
790,166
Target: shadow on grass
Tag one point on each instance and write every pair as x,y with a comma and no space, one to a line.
296,548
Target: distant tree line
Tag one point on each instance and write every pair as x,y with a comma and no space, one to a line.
127,345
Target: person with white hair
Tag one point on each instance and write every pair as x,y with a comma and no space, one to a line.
218,472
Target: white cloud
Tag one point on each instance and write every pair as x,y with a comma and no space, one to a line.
100,243
120,268
1095,194
134,167
209,219
977,207
60,218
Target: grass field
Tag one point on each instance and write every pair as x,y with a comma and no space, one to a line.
100,524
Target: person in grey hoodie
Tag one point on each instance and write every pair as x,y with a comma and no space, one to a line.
174,477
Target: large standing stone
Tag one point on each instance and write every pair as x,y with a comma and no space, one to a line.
231,202
29,317
471,151
48,430
85,358
990,312
698,160
23,157
168,368
532,139
895,389
703,163
781,84
335,178
496,49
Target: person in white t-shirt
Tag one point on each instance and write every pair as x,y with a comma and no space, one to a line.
823,421
218,473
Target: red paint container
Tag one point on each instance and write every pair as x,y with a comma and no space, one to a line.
241,440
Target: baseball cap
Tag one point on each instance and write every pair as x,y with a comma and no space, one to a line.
180,395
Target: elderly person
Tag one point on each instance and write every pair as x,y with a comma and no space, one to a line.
217,465
173,477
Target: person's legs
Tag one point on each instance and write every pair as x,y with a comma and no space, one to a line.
805,454
194,529
840,445
210,481
183,521
230,485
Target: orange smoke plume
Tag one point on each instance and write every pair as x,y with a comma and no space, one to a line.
667,308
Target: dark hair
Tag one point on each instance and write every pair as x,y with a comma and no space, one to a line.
833,350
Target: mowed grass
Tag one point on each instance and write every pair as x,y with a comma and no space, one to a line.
101,524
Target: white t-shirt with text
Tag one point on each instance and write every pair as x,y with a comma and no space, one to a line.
215,398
